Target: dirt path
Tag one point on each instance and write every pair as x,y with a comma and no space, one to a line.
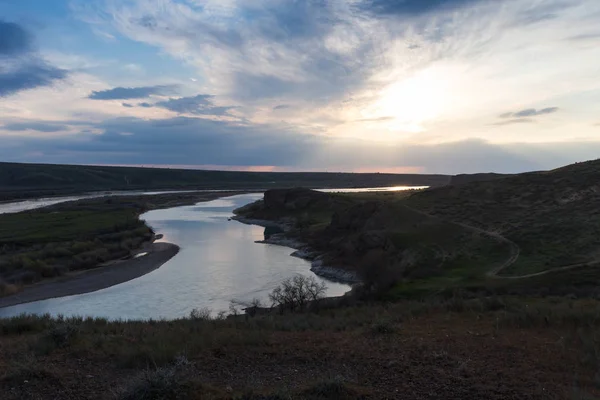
515,251
96,279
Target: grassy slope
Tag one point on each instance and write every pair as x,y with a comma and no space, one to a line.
457,237
429,253
552,216
31,180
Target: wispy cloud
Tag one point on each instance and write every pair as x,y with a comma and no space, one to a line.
585,37
35,126
127,93
515,121
530,112
412,7
201,104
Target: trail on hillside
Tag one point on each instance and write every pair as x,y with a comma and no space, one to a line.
515,251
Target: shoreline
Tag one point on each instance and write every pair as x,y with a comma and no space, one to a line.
98,278
303,251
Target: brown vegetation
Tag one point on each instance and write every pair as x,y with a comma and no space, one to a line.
494,348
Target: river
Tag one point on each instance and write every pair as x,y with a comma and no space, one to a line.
219,264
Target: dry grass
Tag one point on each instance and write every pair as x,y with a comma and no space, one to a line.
365,351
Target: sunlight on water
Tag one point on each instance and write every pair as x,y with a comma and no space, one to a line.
378,189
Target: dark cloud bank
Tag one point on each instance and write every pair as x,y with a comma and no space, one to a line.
197,141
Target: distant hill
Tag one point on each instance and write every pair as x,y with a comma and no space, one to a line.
31,180
468,178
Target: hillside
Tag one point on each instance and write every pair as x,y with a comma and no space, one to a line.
461,179
552,216
378,238
520,233
33,180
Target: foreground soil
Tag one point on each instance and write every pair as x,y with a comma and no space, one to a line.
439,355
98,278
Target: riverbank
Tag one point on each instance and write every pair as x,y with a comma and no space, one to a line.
98,278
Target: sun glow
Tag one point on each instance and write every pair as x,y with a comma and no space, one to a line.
408,104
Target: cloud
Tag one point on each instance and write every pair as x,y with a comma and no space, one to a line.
197,141
199,105
14,39
127,105
179,140
530,112
411,7
378,119
542,12
329,64
21,68
28,75
35,126
126,93
584,37
308,50
515,121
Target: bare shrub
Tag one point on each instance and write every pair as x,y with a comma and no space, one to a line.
295,293
201,314
59,336
161,383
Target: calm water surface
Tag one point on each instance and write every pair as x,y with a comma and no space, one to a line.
219,262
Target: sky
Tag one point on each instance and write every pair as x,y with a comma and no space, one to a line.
408,86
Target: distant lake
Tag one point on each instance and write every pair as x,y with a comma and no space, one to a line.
219,263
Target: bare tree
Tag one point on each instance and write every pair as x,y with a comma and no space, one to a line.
295,293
